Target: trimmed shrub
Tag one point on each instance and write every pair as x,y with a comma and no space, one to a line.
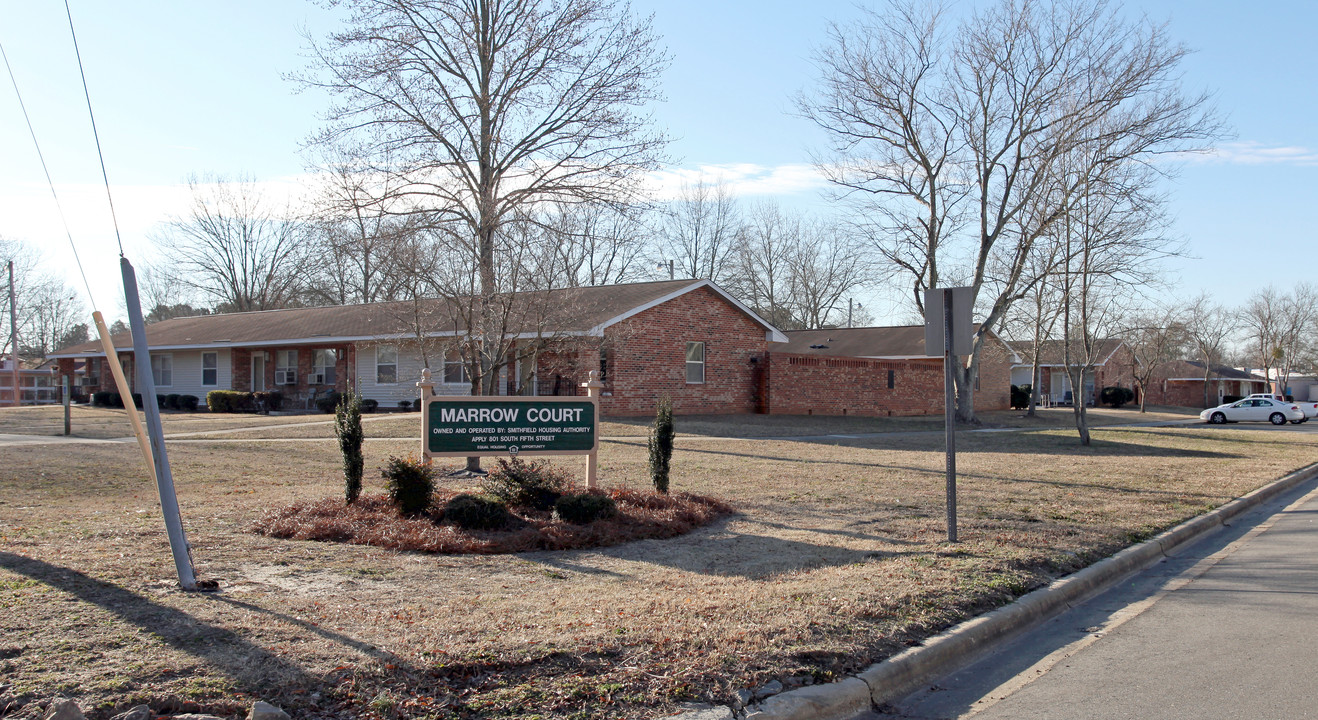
1116,396
230,401
660,444
161,402
103,398
536,485
273,400
585,508
327,402
1227,399
171,401
348,428
404,405
1020,396
188,402
411,484
369,405
476,512
137,401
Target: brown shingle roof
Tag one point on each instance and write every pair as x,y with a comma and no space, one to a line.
569,311
898,341
1194,369
1052,352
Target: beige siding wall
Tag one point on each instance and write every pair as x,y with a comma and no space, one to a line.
187,373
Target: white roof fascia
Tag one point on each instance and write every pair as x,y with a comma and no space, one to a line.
1214,377
302,341
1016,357
772,334
1114,352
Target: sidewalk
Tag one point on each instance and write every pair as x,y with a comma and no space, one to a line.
1224,628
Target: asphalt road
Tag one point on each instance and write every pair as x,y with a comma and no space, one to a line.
1227,628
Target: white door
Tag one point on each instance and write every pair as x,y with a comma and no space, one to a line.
1060,384
258,372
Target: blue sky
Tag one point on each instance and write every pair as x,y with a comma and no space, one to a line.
183,88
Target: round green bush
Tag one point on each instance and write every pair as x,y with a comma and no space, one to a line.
585,508
475,512
536,485
411,484
327,402
1116,396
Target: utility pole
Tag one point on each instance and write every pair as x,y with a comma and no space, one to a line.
13,339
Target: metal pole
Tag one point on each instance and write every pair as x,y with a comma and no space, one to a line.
949,414
68,420
178,541
593,386
13,338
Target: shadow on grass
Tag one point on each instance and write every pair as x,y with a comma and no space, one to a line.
223,650
716,551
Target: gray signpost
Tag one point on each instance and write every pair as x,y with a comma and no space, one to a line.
467,426
948,331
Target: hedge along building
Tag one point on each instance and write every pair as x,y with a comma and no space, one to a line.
875,371
1114,365
687,339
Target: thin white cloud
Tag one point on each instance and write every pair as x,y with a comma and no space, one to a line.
1255,153
741,179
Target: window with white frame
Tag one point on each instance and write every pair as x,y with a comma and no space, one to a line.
455,370
386,364
162,370
322,366
695,362
210,369
286,367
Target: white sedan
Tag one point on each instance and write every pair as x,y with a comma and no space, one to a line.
1310,408
1254,410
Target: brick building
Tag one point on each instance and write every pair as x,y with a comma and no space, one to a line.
876,371
1114,366
1182,383
687,339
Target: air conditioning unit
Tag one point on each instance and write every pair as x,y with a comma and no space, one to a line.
317,379
88,380
285,377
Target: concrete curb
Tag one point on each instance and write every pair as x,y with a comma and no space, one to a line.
903,673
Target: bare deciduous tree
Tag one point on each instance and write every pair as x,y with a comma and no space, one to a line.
477,111
595,244
701,231
234,248
1209,327
1156,336
1264,326
825,270
47,308
1026,85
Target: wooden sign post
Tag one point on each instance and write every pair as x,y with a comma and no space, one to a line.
475,425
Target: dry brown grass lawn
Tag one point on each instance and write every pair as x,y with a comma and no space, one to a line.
835,560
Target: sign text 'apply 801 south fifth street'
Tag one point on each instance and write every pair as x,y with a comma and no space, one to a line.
510,425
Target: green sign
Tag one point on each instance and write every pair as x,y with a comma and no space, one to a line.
510,425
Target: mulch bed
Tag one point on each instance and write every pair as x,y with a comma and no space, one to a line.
373,521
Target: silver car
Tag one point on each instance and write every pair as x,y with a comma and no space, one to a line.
1254,409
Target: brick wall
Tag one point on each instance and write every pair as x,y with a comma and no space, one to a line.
1190,393
994,391
646,357
821,385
